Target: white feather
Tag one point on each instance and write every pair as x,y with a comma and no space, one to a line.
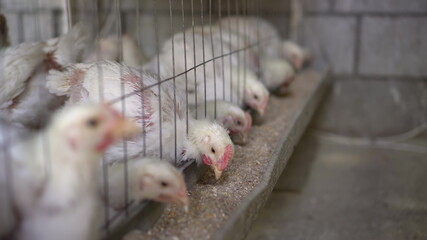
28,102
112,81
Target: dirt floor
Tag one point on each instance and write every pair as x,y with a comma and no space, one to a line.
212,202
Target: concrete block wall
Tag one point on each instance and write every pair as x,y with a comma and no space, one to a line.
368,37
378,53
33,20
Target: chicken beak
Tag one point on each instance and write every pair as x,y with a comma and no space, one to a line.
308,58
181,198
218,173
299,63
261,108
261,111
284,88
121,126
124,127
240,138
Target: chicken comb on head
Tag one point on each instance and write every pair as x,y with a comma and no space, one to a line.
228,154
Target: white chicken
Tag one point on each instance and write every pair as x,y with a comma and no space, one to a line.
296,54
24,99
148,178
53,174
272,46
152,105
229,115
109,49
230,81
104,49
132,54
274,70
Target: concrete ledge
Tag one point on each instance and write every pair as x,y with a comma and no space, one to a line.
242,218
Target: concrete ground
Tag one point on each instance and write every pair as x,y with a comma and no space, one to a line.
334,190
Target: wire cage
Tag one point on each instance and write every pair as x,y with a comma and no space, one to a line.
182,35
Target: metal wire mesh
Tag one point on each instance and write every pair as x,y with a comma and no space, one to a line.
150,23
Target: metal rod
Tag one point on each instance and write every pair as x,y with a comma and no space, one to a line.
245,53
139,37
194,57
213,55
204,57
123,103
222,48
185,66
238,55
158,76
231,59
174,80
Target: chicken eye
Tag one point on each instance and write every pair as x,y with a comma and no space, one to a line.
92,122
239,123
213,150
256,97
164,184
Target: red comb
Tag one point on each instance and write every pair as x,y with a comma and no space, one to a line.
225,160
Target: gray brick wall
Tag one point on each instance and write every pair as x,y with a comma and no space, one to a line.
393,46
368,37
333,36
378,52
389,6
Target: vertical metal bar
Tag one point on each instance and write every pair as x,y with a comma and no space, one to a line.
158,76
21,37
173,78
238,55
8,167
105,172
194,55
138,30
37,37
204,58
222,48
213,54
69,16
123,102
246,41
185,67
38,22
230,49
257,33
